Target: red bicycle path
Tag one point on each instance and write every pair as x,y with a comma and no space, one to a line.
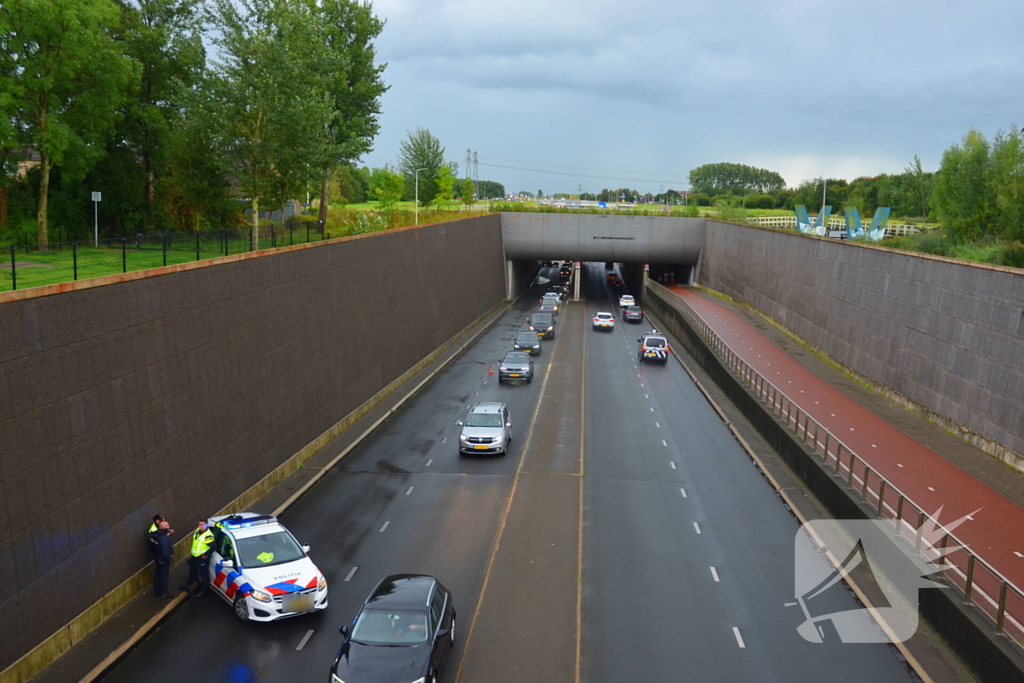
997,530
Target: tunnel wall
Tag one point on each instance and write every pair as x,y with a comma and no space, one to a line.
945,337
176,392
518,276
602,237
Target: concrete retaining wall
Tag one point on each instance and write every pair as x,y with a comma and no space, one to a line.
176,393
944,336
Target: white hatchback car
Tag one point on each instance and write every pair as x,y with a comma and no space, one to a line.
626,300
604,321
258,567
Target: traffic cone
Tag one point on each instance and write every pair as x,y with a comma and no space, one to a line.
490,369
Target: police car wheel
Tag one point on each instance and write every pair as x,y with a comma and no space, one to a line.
241,609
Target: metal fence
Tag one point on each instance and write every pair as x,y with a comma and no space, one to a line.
24,266
891,229
977,581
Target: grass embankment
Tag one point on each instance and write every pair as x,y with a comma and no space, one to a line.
936,242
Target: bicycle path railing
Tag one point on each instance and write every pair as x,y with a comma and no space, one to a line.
979,583
891,229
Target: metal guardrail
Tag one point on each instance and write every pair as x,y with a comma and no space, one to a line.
980,584
891,229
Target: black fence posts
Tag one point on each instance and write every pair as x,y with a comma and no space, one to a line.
124,254
163,245
197,245
74,259
14,270
307,232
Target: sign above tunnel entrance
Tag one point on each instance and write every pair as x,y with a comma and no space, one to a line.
612,237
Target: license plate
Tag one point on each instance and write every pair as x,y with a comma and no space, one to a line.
481,448
513,375
297,603
651,354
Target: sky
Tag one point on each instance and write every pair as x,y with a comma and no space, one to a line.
556,95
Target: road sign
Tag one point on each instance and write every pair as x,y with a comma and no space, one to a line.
97,196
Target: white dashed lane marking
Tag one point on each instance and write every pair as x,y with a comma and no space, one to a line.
714,575
410,490
739,638
444,440
305,640
351,573
1017,554
672,463
696,527
664,443
683,491
658,425
385,526
430,461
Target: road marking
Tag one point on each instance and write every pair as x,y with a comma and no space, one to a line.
899,464
664,443
1017,554
672,463
851,429
305,640
683,491
832,414
410,490
874,446
652,409
930,488
696,527
430,461
647,395
385,526
641,384
351,573
658,425
739,638
714,575
444,440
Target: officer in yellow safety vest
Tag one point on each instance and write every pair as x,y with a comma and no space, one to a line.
199,561
157,518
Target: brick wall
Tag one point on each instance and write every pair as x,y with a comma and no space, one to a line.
946,335
176,393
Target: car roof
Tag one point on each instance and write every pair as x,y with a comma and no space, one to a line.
488,407
604,313
247,524
527,333
632,308
402,590
651,335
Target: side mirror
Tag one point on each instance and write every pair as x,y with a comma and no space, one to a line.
441,632
509,425
228,563
305,548
458,422
639,340
343,630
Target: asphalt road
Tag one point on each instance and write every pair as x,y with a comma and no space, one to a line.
405,501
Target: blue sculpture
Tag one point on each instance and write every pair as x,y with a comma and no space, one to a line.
877,231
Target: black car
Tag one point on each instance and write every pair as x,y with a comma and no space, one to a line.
515,365
609,265
528,342
543,324
633,314
403,633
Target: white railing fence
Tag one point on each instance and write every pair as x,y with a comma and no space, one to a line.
976,580
891,229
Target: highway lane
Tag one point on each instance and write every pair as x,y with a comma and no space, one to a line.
687,550
441,509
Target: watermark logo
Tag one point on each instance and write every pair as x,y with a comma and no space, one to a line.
828,550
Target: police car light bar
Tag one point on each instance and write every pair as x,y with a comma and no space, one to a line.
239,522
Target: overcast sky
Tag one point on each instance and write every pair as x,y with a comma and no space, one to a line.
640,92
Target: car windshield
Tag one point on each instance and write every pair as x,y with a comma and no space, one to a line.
528,337
516,358
654,341
483,420
381,627
606,316
541,319
633,309
627,298
268,550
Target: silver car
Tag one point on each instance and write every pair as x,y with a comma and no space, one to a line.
515,365
487,429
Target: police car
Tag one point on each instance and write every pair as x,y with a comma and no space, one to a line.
258,567
654,347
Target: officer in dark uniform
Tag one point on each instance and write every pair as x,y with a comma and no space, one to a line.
162,550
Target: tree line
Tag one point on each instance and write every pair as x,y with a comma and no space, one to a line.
175,109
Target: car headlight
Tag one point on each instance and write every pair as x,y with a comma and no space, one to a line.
532,328
551,329
323,582
260,595
463,437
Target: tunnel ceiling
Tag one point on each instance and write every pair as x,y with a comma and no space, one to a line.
591,237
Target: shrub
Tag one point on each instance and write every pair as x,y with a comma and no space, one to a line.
699,199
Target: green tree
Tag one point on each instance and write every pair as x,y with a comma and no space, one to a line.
196,188
353,82
165,38
963,190
725,178
445,181
274,129
490,189
468,191
63,78
386,186
1008,183
421,150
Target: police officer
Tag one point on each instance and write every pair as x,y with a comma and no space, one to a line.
162,550
198,563
157,518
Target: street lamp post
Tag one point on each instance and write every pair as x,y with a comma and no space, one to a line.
416,205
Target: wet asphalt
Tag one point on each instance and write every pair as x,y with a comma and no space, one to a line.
405,501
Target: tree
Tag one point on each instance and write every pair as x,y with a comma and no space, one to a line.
725,178
353,83
468,191
963,191
421,150
490,189
386,186
274,129
540,194
445,182
62,79
1008,183
165,38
